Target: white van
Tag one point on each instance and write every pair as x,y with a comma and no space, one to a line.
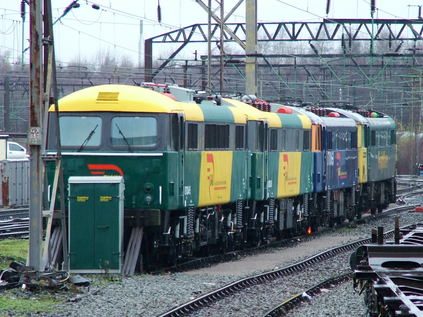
15,151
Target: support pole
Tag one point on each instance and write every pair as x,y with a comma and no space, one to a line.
148,60
141,41
23,32
51,93
209,47
251,47
6,107
222,51
35,136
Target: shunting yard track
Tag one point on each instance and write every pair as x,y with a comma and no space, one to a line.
267,277
390,275
11,213
290,303
14,223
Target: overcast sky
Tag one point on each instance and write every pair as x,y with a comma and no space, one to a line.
87,34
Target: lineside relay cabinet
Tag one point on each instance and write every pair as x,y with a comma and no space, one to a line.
95,224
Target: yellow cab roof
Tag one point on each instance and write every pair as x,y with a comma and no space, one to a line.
125,98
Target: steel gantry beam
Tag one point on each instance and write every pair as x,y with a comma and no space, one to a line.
342,30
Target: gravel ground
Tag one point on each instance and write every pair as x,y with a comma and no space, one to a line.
258,299
147,295
347,305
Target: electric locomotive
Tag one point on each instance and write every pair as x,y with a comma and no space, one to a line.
205,173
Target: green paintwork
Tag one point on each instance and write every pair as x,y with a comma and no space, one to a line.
306,185
258,176
191,177
94,236
240,175
375,154
290,121
140,173
380,159
273,166
213,113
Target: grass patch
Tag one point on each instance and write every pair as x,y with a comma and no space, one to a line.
10,303
16,301
12,250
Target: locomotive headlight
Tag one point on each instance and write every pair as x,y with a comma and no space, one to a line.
148,187
148,199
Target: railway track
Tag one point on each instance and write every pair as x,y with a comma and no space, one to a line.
236,254
14,228
268,277
14,223
12,213
290,303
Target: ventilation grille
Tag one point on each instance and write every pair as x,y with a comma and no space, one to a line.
107,96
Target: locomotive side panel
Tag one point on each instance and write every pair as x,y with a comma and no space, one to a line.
215,177
241,173
307,168
381,150
289,178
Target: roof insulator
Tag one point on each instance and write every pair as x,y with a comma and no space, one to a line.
285,110
334,114
167,94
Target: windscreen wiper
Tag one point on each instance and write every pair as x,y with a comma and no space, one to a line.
124,138
87,138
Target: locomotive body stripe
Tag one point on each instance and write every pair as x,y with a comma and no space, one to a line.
213,113
362,165
239,117
289,174
305,121
215,177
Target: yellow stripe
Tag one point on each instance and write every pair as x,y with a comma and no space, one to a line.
362,165
215,177
305,121
239,116
289,174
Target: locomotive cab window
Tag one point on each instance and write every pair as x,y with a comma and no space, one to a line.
216,136
306,140
175,136
283,140
134,131
329,140
80,131
192,135
373,138
239,137
273,140
393,138
353,140
292,138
